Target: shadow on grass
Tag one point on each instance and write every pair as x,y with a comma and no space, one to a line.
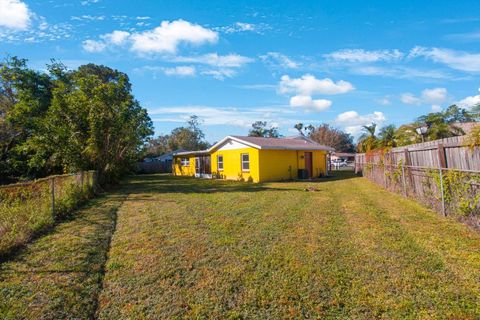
61,272
164,183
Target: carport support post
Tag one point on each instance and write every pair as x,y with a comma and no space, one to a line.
441,190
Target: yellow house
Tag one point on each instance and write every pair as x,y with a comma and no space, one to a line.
256,159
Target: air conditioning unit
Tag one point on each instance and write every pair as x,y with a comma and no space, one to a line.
302,174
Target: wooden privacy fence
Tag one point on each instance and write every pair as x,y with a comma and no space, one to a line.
442,174
26,208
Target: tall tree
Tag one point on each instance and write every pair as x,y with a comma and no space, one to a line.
368,140
157,146
443,124
406,134
260,129
25,96
332,137
299,127
476,111
95,122
388,136
188,138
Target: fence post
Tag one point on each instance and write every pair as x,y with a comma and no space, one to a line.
52,190
442,157
385,171
443,195
403,181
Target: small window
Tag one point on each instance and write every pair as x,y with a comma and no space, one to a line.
185,162
220,162
245,162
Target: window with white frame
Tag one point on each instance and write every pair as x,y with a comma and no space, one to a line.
185,162
220,162
245,162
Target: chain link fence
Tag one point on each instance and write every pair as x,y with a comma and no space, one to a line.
448,191
28,208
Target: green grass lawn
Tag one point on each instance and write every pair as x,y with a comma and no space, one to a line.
186,248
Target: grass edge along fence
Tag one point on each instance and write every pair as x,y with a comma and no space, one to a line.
441,174
27,209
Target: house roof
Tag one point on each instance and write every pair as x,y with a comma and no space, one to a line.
289,143
467,127
344,154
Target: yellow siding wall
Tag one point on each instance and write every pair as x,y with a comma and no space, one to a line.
265,165
284,164
180,170
232,169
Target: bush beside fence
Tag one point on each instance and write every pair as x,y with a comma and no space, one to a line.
442,175
29,208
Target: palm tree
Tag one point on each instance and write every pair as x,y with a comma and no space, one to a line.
368,140
388,136
299,127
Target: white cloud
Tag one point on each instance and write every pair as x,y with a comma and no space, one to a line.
215,60
220,74
309,85
87,17
465,37
435,97
243,27
361,55
400,72
169,35
88,2
458,60
310,104
352,121
436,108
116,37
164,39
214,65
221,67
277,59
182,71
469,102
409,98
14,14
225,116
303,88
384,101
93,46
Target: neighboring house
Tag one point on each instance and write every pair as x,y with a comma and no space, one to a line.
466,127
167,157
349,157
160,164
256,159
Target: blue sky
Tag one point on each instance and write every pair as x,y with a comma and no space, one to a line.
347,63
